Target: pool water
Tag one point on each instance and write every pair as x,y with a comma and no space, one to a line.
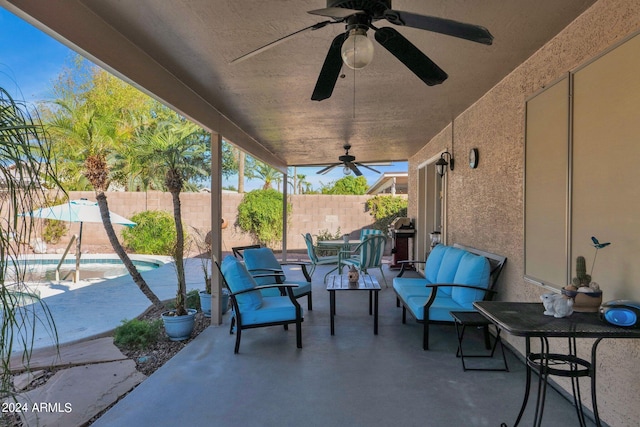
45,269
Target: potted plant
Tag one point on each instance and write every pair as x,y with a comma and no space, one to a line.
586,294
204,250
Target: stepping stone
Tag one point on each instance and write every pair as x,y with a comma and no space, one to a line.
73,396
93,351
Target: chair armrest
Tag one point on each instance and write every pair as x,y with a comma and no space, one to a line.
301,264
261,287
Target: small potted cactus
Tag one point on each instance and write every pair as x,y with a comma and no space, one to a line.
586,294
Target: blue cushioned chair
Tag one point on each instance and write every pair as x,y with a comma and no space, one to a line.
368,254
267,270
251,309
314,258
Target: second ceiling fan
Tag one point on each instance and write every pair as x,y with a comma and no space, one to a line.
354,49
349,163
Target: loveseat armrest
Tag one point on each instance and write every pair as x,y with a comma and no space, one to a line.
405,263
435,287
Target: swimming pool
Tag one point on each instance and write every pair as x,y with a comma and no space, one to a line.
39,271
90,268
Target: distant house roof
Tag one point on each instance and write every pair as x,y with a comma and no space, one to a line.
390,183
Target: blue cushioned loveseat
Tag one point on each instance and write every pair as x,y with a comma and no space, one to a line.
455,277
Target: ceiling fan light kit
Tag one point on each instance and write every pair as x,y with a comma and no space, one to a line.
355,49
348,163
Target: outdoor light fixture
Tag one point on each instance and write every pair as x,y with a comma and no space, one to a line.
441,164
357,49
346,170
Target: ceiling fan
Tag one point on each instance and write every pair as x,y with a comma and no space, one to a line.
356,50
349,163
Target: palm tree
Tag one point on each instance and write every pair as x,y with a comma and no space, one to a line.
24,170
264,172
175,150
92,136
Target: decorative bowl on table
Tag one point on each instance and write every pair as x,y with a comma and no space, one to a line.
584,302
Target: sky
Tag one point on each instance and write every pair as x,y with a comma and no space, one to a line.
30,61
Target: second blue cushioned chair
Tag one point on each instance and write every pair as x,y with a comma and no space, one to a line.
251,309
315,259
266,270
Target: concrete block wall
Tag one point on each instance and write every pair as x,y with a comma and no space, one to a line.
311,213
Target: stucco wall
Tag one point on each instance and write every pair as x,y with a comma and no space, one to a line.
485,205
309,214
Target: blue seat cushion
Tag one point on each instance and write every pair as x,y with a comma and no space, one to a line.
239,279
472,270
439,310
449,267
274,309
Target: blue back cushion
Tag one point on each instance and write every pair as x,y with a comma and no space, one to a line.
433,262
449,265
262,261
472,270
239,279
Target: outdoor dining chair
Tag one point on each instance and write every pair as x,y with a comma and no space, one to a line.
265,268
366,255
316,259
251,309
365,232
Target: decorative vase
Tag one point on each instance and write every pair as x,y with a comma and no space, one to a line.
353,275
179,328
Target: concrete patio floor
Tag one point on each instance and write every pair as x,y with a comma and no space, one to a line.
351,379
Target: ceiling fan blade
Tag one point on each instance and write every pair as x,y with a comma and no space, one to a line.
280,40
330,70
411,56
474,33
327,169
335,12
354,168
368,167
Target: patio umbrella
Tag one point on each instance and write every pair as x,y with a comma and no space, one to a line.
77,211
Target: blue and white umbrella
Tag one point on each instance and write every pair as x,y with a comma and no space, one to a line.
77,211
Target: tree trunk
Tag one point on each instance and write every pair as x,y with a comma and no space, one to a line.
181,298
119,250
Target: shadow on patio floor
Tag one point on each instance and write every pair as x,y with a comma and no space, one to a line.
353,378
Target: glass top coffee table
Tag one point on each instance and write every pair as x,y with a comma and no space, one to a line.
339,282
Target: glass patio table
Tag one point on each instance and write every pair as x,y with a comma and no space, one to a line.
527,320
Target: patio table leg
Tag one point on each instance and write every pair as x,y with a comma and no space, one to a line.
332,309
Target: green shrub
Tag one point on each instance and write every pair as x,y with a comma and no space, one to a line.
53,230
154,234
385,209
260,213
137,333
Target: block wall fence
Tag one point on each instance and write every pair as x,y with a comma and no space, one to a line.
312,213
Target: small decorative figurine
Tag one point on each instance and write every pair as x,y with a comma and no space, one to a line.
556,305
353,275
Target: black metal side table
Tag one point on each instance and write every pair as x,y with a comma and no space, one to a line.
463,319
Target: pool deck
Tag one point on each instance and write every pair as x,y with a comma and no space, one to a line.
95,310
